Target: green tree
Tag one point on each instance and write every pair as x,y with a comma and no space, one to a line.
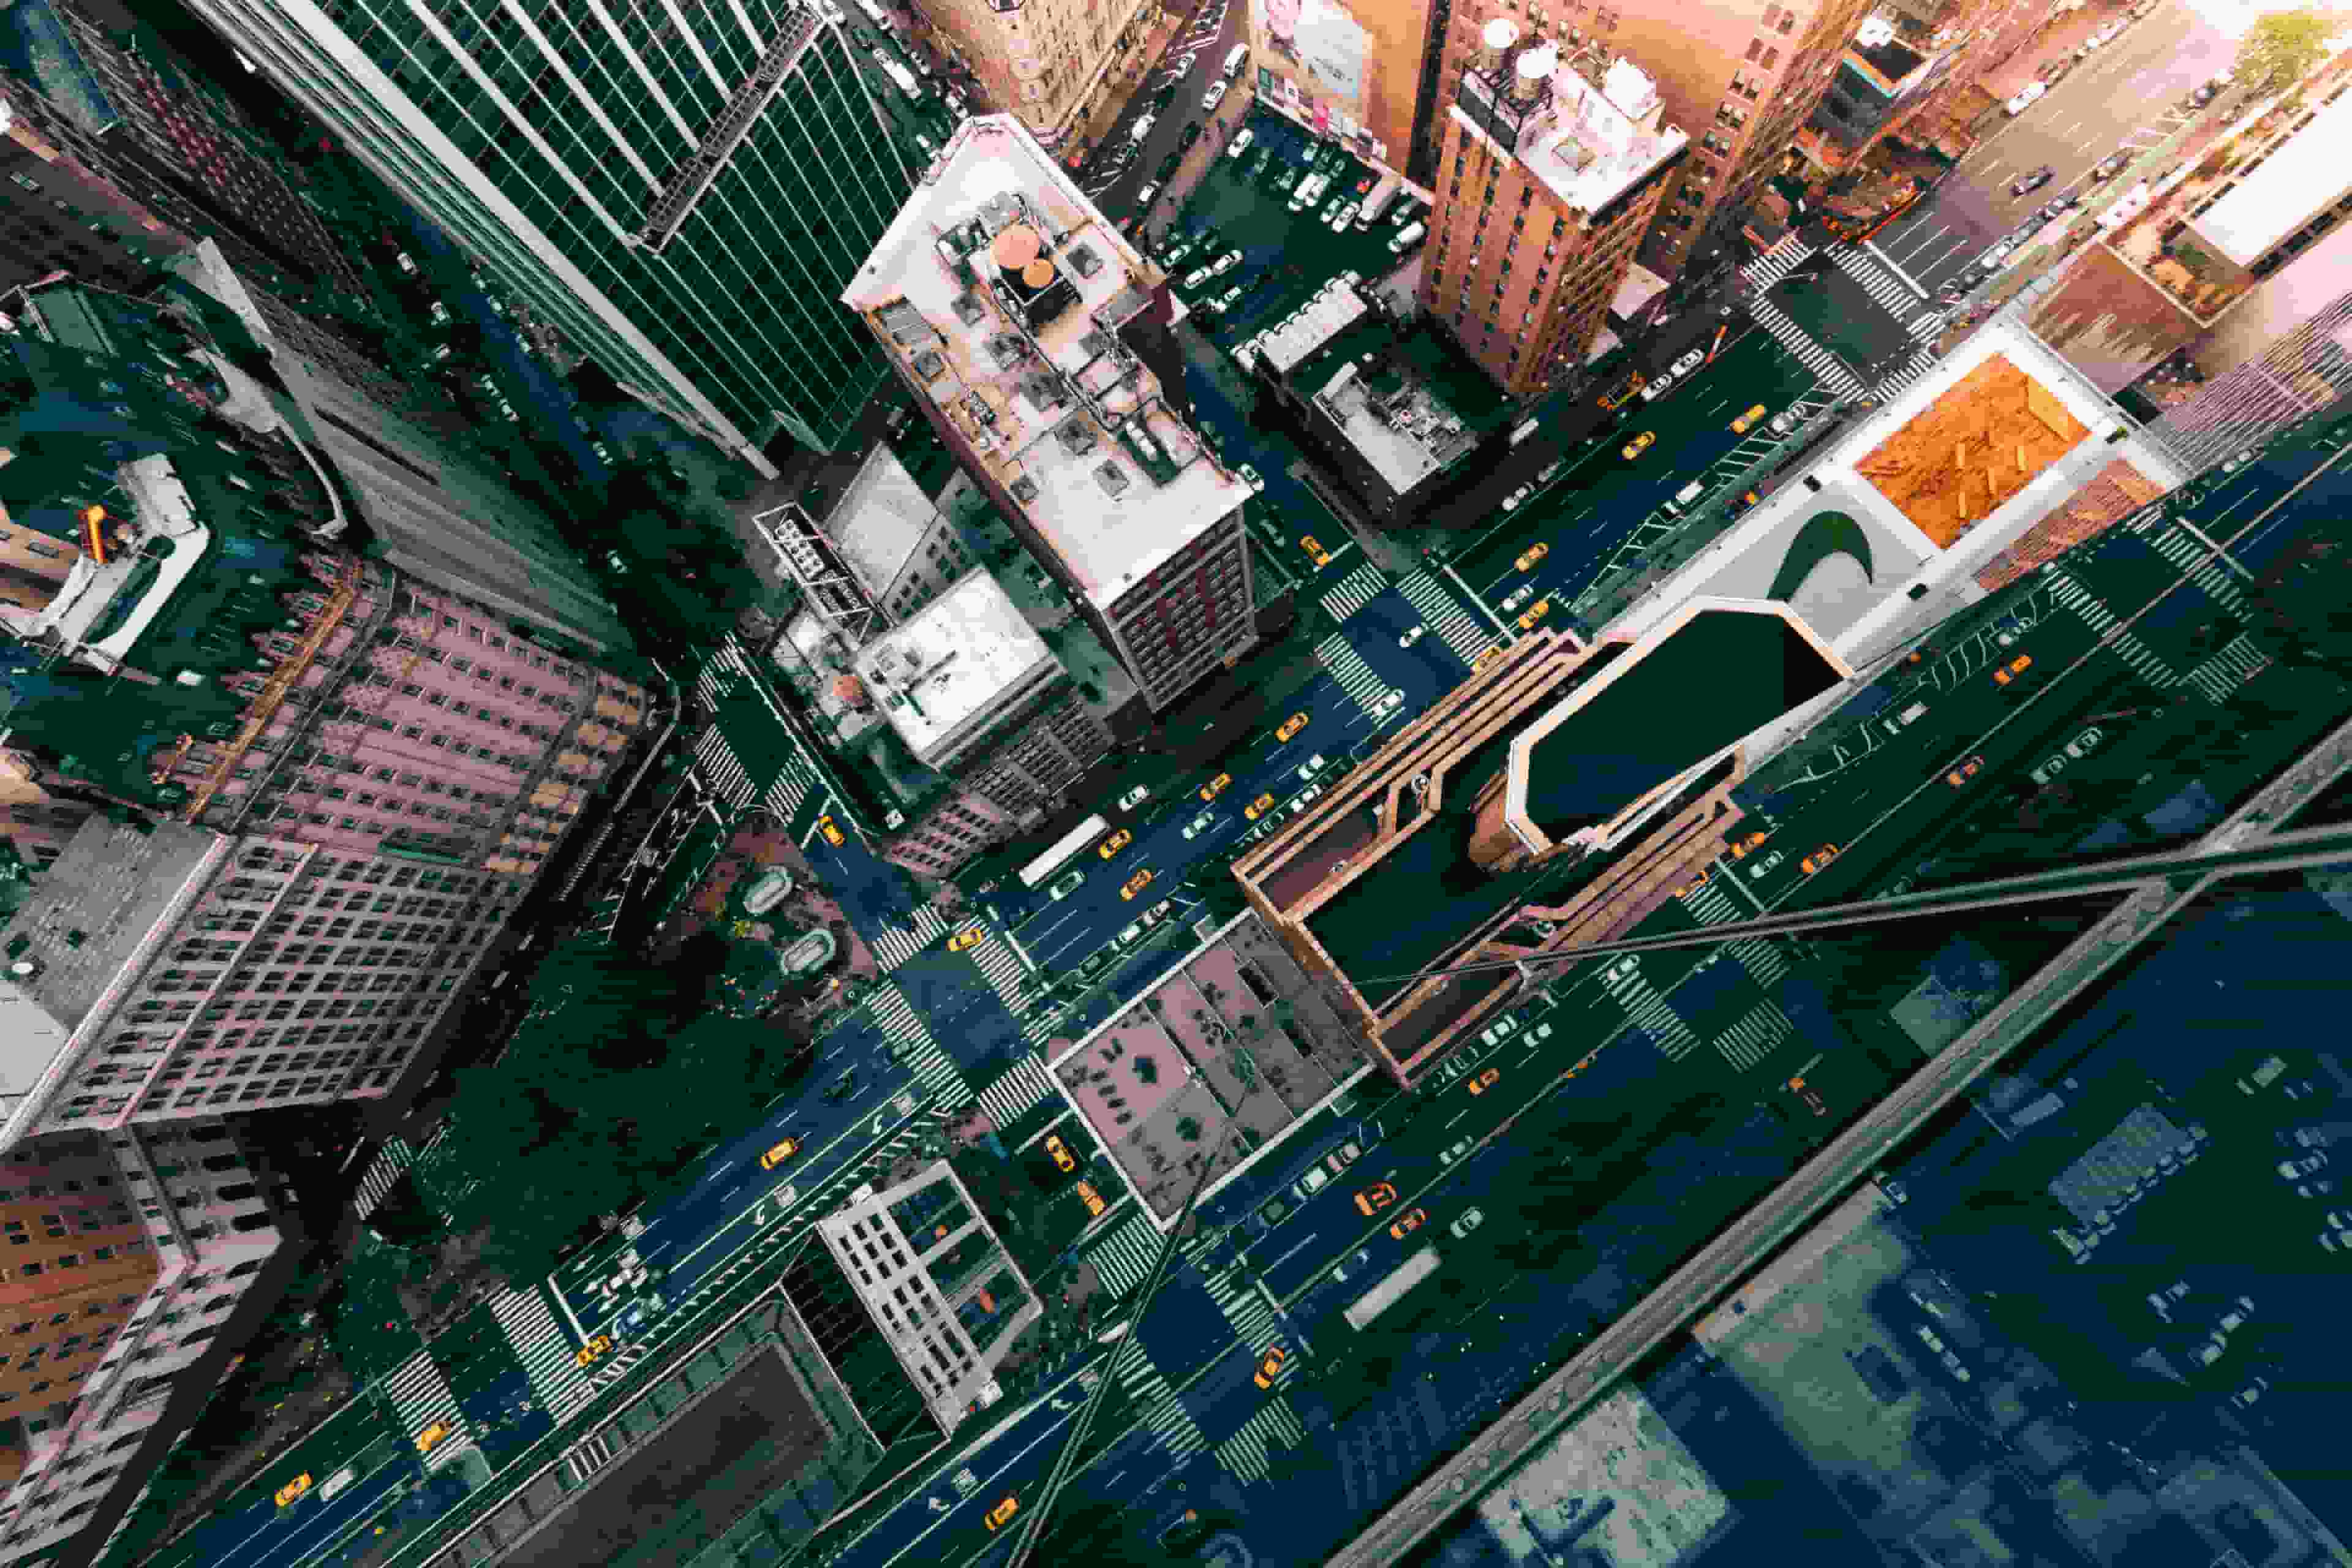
2280,49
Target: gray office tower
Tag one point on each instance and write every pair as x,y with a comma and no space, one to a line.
684,186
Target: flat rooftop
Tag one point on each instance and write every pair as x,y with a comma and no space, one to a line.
2301,176
1000,289
1961,458
879,521
1593,131
938,675
1402,421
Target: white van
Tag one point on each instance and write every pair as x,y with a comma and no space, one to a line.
1406,237
1214,96
1686,496
1235,58
1142,127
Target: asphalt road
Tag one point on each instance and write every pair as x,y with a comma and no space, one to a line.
2122,97
1121,166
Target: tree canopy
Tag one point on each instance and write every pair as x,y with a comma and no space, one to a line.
2280,48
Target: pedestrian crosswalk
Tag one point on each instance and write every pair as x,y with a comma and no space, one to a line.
1254,1319
1156,1404
392,1157
1776,263
2141,659
2231,667
546,1352
1273,1426
996,959
1018,1090
930,1066
1807,352
1901,378
1356,590
1362,684
1123,1256
716,762
1893,295
1760,956
1443,614
2195,560
420,1398
1929,325
893,946
1710,905
791,788
1646,1010
1752,1036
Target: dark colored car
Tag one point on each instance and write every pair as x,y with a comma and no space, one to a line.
1191,134
1168,166
2110,166
2033,181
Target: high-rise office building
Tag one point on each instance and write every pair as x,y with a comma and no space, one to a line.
131,1256
369,772
685,196
1549,173
1026,326
1741,76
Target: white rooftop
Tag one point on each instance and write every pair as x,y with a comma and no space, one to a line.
879,521
938,676
1310,326
1589,142
2303,174
1063,417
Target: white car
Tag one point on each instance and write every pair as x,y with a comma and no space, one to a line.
2028,98
1227,262
1240,145
1412,636
1142,127
1511,502
1135,797
1389,703
1251,476
1199,824
1456,1151
1311,766
1466,1223
1143,198
1343,218
1653,390
1198,276
1226,301
2082,745
1688,362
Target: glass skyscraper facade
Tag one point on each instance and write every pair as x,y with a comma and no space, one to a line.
683,187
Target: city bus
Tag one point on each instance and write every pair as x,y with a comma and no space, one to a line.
1068,846
1383,1295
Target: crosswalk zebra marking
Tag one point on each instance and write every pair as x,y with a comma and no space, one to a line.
1444,614
420,1398
893,946
1776,263
1252,1317
718,766
1807,352
1362,684
928,1063
545,1351
1123,1256
1892,295
1752,1036
1353,591
1015,1092
1006,974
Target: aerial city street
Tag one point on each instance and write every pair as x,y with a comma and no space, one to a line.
1211,781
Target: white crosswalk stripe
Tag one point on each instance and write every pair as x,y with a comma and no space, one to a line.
1443,614
1245,1453
1123,1256
715,760
1254,1319
1156,1404
1776,263
1752,1037
2178,547
932,1066
996,960
893,946
1018,1090
1362,684
1759,956
394,1157
546,1354
421,1398
1910,371
1647,1010
2235,664
1710,905
1928,325
1807,352
2125,644
1356,590
791,788
1881,285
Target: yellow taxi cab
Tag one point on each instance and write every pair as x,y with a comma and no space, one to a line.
1091,1198
1485,1080
1314,552
780,1153
1060,1153
1408,1223
1115,843
2015,667
1533,554
1536,612
293,1488
1269,1366
1484,659
431,1438
1818,858
967,938
1291,726
1215,786
1259,807
1001,1514
1964,772
1740,425
1135,884
1695,884
586,1353
1639,445
1375,1197
824,824
1743,846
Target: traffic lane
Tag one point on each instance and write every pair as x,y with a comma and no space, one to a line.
1425,672
348,1514
1186,70
942,1520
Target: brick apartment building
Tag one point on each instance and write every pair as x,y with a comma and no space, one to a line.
1550,173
